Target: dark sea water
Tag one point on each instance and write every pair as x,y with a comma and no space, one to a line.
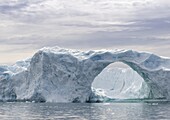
84,111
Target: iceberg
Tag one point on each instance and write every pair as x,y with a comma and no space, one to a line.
56,74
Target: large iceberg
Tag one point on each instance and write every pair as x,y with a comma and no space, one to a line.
63,75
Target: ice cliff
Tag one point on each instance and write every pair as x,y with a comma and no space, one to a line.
62,75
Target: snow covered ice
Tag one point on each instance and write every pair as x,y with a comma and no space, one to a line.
63,75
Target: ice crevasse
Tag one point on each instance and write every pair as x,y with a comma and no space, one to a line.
56,74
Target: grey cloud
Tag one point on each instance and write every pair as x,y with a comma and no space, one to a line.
85,24
16,50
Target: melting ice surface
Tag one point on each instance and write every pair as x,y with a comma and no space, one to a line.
120,83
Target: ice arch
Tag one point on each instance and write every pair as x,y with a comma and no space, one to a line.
119,81
63,75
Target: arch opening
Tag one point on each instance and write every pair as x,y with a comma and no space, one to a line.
118,81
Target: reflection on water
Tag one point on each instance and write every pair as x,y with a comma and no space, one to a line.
84,111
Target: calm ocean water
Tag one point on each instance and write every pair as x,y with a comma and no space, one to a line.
84,111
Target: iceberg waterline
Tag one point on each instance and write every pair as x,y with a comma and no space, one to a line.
63,75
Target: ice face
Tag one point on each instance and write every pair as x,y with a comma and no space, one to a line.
63,75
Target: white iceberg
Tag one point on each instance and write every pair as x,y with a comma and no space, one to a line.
62,75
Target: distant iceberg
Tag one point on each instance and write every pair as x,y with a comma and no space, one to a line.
63,75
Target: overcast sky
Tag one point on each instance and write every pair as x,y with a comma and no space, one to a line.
28,25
